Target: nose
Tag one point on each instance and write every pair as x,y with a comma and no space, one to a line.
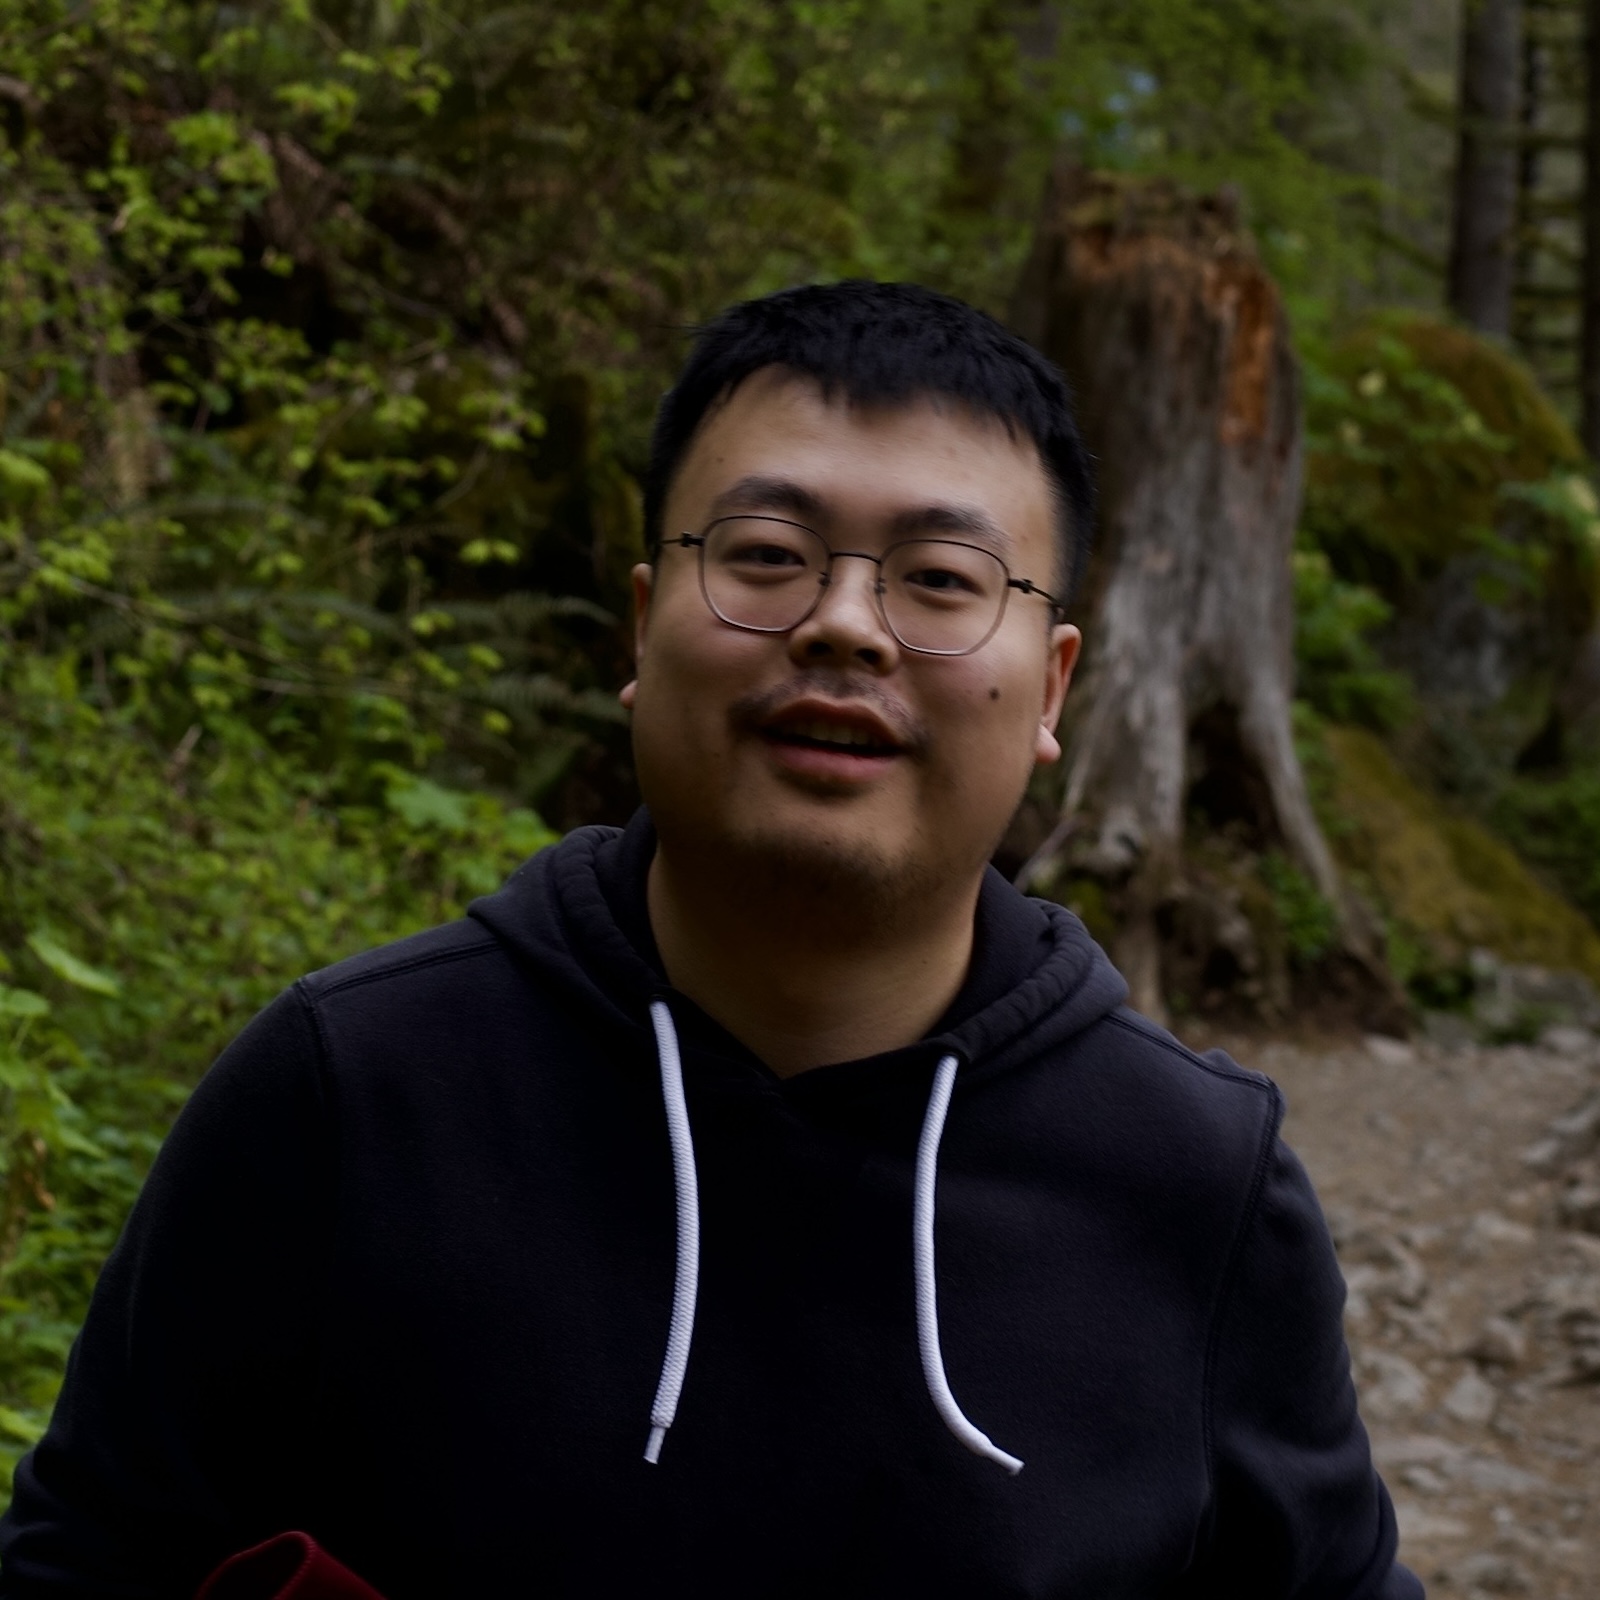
848,624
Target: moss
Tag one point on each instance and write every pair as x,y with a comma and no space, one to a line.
1500,388
1446,882
1086,899
1429,441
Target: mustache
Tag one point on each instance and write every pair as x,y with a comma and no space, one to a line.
752,712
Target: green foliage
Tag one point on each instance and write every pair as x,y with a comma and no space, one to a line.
136,938
1428,442
1337,669
1247,93
1554,821
1306,921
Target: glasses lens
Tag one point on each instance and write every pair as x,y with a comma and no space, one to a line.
941,596
761,572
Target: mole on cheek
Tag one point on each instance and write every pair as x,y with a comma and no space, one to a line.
994,694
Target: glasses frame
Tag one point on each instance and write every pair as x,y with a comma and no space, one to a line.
697,541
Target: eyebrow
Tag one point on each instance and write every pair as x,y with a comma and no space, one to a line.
944,517
759,492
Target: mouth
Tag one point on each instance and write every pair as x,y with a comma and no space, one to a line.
822,733
837,744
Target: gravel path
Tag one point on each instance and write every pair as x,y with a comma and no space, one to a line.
1463,1191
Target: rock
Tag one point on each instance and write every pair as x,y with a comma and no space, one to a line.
1570,1136
1544,1155
1471,1400
1579,1129
1390,1052
1496,1574
1489,1230
1448,1030
1566,1039
1579,1207
1507,997
1499,1342
1377,1266
1424,1479
1494,1476
1427,1449
1390,1385
1419,1527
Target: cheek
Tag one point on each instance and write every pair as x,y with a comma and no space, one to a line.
994,719
690,677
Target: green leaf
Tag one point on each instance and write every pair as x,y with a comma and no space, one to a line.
70,969
18,471
22,1003
27,1429
422,804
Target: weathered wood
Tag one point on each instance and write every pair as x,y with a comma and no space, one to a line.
1158,309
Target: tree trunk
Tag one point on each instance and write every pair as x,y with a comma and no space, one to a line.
1530,165
1174,337
1589,334
1482,247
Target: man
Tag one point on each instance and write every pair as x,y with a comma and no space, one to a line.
765,1199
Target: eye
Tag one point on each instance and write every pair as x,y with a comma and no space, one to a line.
768,555
943,581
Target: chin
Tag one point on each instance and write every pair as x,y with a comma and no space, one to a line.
816,858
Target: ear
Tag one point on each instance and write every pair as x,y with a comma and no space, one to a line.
644,580
1065,643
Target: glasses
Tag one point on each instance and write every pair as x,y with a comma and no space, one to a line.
938,597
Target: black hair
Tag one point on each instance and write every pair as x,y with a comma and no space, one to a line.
878,344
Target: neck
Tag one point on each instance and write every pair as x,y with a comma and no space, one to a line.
802,984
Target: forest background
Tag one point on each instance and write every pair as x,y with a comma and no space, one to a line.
329,339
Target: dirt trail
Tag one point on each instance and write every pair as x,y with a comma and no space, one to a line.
1474,1273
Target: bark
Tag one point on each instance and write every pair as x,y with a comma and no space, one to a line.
1175,339
1530,170
1589,335
1482,248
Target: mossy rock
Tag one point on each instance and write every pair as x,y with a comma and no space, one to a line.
1445,879
1419,426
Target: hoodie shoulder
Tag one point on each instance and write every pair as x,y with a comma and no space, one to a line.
1197,1128
1214,1064
453,942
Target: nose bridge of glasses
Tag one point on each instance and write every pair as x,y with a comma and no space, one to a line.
875,578
835,597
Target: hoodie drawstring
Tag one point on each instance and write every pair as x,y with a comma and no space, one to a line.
686,1280
978,1442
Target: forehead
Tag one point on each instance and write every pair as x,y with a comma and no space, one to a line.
864,465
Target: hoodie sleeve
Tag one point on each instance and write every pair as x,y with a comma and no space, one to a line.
1297,1511
185,1401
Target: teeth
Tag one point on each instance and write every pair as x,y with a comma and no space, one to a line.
833,733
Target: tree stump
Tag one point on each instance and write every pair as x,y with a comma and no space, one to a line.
1174,337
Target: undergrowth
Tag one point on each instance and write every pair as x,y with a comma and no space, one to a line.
137,937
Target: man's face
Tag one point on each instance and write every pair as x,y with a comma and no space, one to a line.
749,745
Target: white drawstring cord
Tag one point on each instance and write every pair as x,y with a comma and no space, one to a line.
685,1285
979,1443
686,1281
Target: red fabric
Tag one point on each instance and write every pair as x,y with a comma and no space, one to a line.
291,1566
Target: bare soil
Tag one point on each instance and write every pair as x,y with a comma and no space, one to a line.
1461,1186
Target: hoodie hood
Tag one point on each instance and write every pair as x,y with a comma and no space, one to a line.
576,914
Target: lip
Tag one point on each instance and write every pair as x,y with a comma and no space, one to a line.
840,765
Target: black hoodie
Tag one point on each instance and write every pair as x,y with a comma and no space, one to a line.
402,1276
